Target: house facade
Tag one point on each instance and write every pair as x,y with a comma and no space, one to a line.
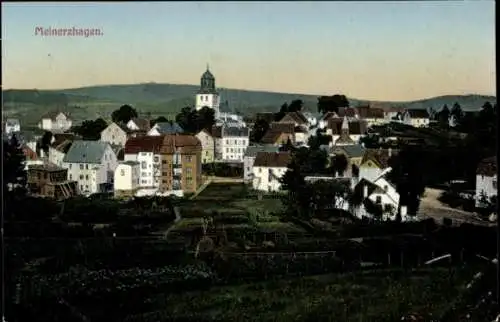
249,158
279,133
208,146
234,142
127,177
180,164
55,122
114,134
355,129
146,151
486,182
268,169
50,181
92,165
57,152
375,162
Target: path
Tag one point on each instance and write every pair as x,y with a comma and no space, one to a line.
431,207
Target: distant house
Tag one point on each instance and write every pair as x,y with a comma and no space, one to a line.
208,146
354,155
356,130
31,156
138,124
279,133
379,193
59,146
486,181
55,122
234,142
372,115
216,133
268,169
12,126
251,154
164,128
115,134
92,164
312,118
127,179
58,151
297,118
375,162
414,117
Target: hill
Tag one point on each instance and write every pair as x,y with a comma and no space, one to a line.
167,99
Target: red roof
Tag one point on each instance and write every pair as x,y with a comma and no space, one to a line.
272,159
135,145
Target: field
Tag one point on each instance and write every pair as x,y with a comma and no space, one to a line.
363,296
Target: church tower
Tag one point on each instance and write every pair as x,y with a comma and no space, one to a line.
207,95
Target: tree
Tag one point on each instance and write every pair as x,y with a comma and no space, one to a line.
296,106
124,114
90,129
409,169
456,113
281,113
160,119
339,164
14,175
315,141
259,129
45,141
193,121
443,116
332,103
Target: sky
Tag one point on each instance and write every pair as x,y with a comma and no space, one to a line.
391,51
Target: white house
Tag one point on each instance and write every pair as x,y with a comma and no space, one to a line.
92,164
114,134
375,162
414,117
234,142
146,151
249,158
127,178
55,122
138,124
164,128
486,181
12,126
312,119
268,169
58,151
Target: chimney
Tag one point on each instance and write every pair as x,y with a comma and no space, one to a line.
365,191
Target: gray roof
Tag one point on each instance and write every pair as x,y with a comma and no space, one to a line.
252,151
353,151
169,128
12,122
235,131
86,152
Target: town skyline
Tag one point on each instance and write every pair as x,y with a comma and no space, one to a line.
376,51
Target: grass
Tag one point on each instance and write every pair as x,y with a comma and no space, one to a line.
364,296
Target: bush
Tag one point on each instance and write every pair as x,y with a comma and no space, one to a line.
223,170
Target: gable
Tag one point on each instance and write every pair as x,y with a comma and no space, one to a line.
370,164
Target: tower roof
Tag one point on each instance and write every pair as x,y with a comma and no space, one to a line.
345,124
207,75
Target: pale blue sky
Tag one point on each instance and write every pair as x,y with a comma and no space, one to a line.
372,50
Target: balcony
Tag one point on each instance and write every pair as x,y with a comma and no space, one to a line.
177,171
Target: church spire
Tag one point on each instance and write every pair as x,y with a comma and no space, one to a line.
208,67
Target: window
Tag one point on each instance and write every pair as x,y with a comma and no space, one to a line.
164,161
227,142
70,177
143,165
386,188
70,165
144,174
188,158
494,183
81,166
87,177
81,177
157,159
378,200
86,166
